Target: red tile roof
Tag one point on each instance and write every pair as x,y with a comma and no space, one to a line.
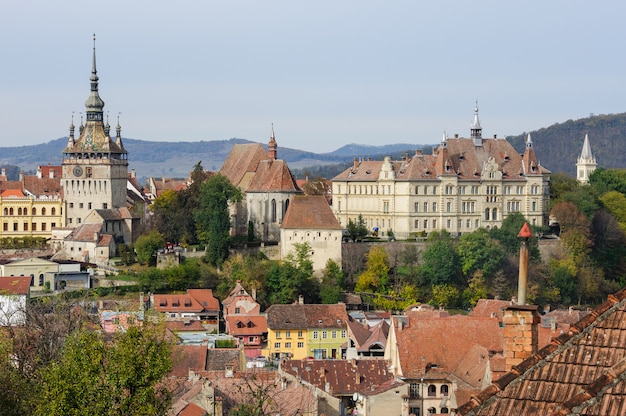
205,298
11,285
15,193
192,410
306,316
582,372
188,357
310,212
176,303
252,325
273,176
340,376
242,162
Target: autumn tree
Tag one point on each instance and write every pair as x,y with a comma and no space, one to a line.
147,245
212,217
375,278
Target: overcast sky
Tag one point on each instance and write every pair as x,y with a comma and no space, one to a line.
326,73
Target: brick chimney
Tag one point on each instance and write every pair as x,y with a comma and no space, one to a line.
520,333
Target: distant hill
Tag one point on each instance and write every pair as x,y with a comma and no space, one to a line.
557,148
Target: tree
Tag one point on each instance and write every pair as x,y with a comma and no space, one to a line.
116,379
478,252
445,295
440,262
213,219
147,245
375,278
286,282
333,281
358,229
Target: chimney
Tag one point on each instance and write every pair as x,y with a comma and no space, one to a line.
4,172
355,163
133,174
520,333
301,300
524,235
51,173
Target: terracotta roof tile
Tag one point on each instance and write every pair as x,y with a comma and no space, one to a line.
205,298
242,162
310,212
10,285
252,325
273,176
580,372
299,316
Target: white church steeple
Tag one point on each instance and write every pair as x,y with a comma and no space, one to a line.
586,163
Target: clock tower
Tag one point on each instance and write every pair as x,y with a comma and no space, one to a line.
95,166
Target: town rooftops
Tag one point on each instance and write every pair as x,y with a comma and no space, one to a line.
581,372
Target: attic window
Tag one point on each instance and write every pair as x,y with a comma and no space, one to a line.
461,157
163,302
187,302
506,158
427,172
368,171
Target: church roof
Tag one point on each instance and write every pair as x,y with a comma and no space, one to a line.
242,162
273,176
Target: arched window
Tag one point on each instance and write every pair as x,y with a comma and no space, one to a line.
486,214
25,211
432,411
273,210
11,212
444,389
494,214
34,211
53,211
43,211
6,211
286,206
432,390
19,211
41,279
444,410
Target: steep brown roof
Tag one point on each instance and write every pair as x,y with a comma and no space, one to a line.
463,158
310,212
582,372
205,298
11,285
176,303
449,340
188,357
242,162
340,377
44,186
220,358
299,316
85,232
273,176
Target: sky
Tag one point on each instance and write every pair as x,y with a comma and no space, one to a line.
325,73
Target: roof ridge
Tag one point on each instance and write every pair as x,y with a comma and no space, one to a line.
556,346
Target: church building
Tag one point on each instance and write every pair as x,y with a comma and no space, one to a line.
586,163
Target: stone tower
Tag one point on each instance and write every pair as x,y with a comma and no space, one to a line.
586,163
95,166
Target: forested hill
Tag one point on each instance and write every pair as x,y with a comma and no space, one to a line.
557,148
559,145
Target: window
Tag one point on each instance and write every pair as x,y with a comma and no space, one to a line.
417,207
287,344
534,205
89,205
19,211
324,334
444,410
434,207
41,279
71,205
277,334
444,390
486,214
237,310
333,334
449,206
343,333
434,223
425,224
43,211
300,344
287,334
386,207
315,335
43,226
432,390
414,390
5,226
273,210
53,211
25,226
105,206
299,334
79,205
88,172
116,321
417,190
277,345
15,226
425,206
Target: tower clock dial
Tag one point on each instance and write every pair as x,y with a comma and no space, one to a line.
78,171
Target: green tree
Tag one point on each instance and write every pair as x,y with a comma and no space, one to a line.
477,251
147,245
286,282
117,379
213,219
507,236
333,281
445,295
358,229
476,290
440,263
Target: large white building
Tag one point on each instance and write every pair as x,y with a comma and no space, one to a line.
465,184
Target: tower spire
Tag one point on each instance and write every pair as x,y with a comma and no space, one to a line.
272,146
477,131
586,163
94,103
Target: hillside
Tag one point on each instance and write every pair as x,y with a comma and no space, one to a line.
557,148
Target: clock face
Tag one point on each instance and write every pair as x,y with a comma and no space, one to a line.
78,171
